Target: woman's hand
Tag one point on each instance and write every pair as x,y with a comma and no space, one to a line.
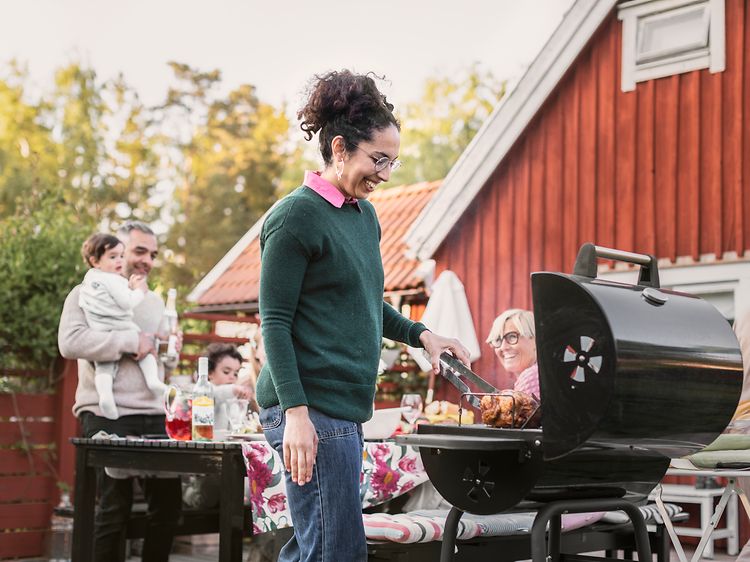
435,345
300,444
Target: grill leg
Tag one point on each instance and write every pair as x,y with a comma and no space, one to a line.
554,510
449,535
553,540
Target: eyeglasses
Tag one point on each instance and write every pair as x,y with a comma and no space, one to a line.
510,337
381,163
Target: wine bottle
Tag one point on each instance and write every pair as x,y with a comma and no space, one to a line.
168,353
203,404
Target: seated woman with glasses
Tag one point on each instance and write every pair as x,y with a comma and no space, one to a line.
513,338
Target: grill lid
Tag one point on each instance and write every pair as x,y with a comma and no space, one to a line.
631,365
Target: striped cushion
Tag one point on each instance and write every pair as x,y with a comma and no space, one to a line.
502,524
650,514
407,528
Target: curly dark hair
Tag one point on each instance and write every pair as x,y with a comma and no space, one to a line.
346,104
95,246
217,351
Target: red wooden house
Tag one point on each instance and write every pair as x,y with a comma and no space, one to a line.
631,129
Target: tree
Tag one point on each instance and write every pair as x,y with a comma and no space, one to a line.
25,140
437,128
131,168
108,145
93,143
231,156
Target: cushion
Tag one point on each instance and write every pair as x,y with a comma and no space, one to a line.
730,442
650,514
502,524
572,521
490,525
712,459
410,528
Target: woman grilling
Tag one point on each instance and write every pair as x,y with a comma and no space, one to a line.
323,315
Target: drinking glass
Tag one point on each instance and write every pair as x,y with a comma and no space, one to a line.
236,412
411,407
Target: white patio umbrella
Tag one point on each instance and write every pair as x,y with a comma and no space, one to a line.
447,313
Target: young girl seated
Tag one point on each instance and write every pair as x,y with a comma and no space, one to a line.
224,362
108,300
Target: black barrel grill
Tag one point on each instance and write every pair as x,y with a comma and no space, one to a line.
630,376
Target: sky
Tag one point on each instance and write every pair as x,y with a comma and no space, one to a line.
277,45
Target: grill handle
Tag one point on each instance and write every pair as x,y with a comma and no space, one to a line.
586,263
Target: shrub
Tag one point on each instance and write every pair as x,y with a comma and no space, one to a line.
40,262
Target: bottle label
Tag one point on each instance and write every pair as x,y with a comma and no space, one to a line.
203,410
172,346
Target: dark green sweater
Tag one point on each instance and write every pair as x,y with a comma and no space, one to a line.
322,308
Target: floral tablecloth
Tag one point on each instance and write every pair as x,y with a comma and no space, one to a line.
388,470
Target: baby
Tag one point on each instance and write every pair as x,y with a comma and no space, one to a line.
108,300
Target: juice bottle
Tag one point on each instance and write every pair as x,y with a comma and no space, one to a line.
203,404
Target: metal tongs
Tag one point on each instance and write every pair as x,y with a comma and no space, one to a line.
458,374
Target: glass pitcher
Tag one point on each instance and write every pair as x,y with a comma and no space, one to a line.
178,409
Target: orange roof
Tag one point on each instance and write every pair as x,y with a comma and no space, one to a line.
397,209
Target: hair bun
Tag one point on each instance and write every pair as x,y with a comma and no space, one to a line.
346,104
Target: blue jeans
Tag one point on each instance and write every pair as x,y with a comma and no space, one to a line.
327,511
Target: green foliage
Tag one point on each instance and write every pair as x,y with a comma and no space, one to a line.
93,143
437,128
233,155
40,261
25,137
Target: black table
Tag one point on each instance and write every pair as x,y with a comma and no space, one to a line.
160,455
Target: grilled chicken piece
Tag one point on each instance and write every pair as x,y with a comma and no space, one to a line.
510,409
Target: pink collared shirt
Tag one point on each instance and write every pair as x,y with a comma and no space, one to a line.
328,191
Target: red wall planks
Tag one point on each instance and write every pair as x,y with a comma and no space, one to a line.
666,104
568,213
732,116
661,170
688,168
587,162
24,488
23,544
710,158
35,432
27,405
643,219
605,139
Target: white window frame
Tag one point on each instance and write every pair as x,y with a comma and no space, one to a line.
703,280
695,53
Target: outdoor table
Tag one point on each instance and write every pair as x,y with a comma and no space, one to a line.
149,455
388,470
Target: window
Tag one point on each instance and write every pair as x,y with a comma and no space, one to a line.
666,37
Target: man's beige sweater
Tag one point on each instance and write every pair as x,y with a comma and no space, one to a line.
77,341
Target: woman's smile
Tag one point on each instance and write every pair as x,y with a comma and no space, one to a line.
371,185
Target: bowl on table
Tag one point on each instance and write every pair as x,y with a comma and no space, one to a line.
383,423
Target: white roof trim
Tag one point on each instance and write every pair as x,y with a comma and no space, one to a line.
228,259
504,126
